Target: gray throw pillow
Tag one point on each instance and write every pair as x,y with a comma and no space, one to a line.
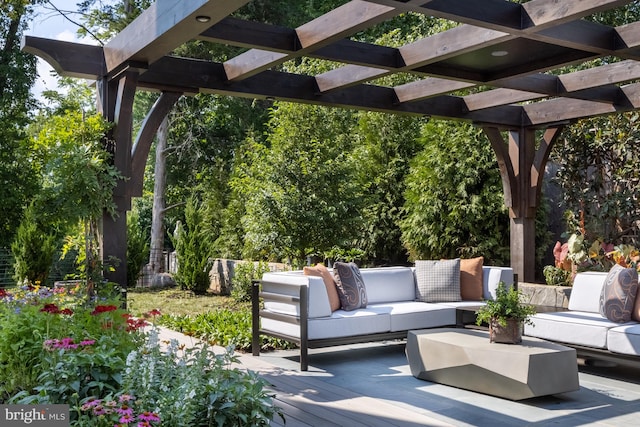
438,281
351,289
619,294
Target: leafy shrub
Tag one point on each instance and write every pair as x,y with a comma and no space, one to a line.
137,249
33,250
193,246
222,327
194,386
244,274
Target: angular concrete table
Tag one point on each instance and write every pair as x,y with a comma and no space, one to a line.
465,358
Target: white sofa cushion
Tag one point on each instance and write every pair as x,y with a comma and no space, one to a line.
624,339
417,315
572,327
492,276
389,284
364,321
586,290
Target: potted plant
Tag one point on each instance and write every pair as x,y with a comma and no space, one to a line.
505,315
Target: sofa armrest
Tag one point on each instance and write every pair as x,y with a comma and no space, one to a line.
492,276
288,284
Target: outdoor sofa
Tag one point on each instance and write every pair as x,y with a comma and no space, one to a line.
296,307
601,320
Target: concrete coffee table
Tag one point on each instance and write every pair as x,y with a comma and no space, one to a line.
465,358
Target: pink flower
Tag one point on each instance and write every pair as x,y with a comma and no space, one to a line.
125,410
126,419
149,416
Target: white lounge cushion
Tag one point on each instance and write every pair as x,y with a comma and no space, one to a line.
492,276
571,327
586,291
417,315
364,321
389,284
625,339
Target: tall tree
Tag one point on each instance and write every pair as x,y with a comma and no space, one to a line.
454,199
17,75
301,193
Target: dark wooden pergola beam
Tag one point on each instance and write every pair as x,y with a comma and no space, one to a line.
331,27
164,26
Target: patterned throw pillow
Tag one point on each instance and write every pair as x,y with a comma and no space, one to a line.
438,281
351,289
329,283
619,294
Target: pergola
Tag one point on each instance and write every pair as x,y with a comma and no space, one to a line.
509,53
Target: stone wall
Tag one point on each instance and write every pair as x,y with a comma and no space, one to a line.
554,296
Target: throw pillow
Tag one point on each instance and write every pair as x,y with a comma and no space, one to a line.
332,292
471,280
351,289
619,294
438,281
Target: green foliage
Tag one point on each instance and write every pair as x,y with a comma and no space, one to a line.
223,327
555,276
383,155
18,73
193,247
137,248
243,276
33,249
196,387
507,305
598,175
454,200
301,194
78,178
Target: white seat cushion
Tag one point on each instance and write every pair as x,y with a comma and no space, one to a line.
625,339
417,315
571,327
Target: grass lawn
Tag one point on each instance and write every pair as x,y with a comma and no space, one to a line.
177,302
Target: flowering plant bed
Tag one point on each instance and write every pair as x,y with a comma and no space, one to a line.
59,347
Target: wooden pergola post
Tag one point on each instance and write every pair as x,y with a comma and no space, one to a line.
522,167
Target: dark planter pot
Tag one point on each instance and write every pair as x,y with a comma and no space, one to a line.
510,334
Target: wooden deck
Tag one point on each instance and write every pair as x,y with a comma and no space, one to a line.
370,385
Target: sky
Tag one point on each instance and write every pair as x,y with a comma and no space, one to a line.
50,24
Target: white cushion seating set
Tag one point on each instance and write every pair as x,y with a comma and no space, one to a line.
309,308
602,320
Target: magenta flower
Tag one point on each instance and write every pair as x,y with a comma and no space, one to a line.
149,416
125,410
126,419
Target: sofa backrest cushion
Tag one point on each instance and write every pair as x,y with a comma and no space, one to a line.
330,283
389,284
618,294
438,281
491,278
471,279
351,288
586,290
